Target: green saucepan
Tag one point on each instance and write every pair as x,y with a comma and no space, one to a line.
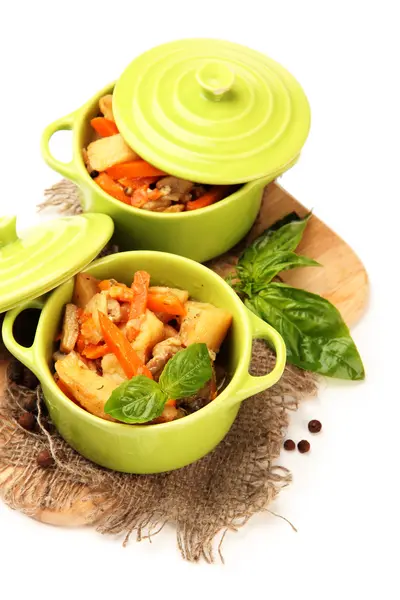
200,235
152,448
209,111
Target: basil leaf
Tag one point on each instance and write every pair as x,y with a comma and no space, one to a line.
186,372
267,245
272,265
137,400
316,337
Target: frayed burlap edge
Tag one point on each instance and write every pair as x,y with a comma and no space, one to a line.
205,500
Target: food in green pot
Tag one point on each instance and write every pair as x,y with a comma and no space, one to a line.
139,354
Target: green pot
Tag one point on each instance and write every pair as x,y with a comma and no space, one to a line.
152,448
200,235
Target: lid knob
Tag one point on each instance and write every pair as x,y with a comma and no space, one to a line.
8,230
216,79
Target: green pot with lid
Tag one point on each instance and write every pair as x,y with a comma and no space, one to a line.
44,259
209,111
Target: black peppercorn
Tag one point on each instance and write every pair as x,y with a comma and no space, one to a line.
289,445
314,426
303,446
44,459
29,380
94,173
27,421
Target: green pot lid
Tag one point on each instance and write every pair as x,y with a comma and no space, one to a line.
211,111
47,255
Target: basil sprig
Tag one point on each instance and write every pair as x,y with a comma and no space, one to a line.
141,399
316,337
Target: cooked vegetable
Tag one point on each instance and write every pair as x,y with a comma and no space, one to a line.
140,287
111,187
204,323
70,329
104,127
89,389
111,368
122,349
85,288
182,295
140,400
93,351
165,302
132,169
105,105
150,332
115,339
213,195
316,337
107,152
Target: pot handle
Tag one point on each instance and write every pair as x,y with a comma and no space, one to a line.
23,354
67,123
253,385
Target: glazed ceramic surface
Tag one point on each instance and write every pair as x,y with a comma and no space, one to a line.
151,448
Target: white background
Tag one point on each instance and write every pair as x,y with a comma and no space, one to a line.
343,499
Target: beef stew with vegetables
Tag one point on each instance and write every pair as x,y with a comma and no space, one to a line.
139,354
122,174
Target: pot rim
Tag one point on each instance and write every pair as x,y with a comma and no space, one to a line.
241,371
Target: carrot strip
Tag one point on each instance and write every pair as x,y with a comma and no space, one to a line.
213,195
111,187
136,183
139,287
165,303
80,343
121,293
171,403
104,127
94,351
134,169
119,345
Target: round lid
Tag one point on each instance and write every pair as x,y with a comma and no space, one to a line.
47,255
211,111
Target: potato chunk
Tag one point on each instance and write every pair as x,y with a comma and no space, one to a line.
112,369
109,151
84,289
182,295
151,332
204,323
90,389
105,106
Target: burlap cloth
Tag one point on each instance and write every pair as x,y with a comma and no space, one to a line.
216,494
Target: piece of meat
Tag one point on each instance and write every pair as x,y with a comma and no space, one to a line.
114,310
162,352
175,190
70,329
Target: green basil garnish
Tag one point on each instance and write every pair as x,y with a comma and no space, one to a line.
316,337
141,399
137,400
186,372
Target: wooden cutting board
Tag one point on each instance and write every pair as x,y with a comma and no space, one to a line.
343,280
